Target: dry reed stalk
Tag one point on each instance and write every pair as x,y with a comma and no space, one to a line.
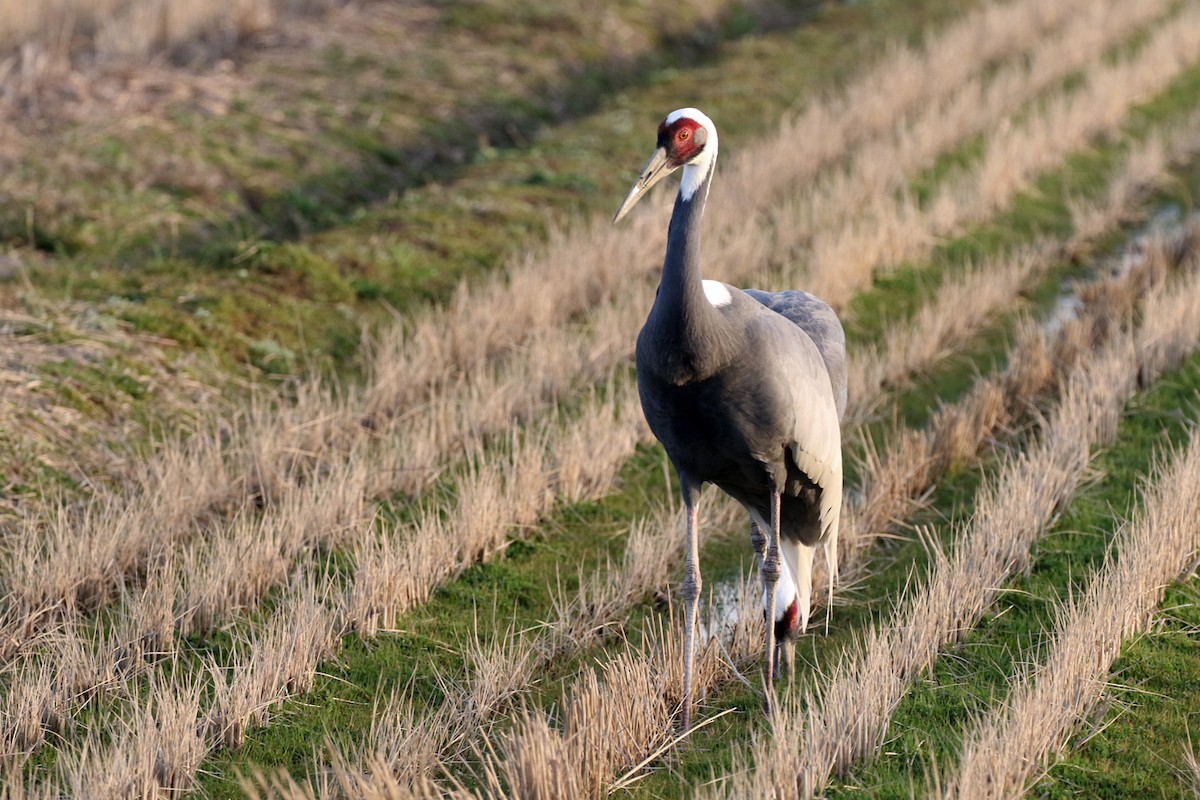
1191,763
65,557
653,552
282,661
27,711
153,752
232,570
70,667
499,496
1005,751
611,717
843,720
408,745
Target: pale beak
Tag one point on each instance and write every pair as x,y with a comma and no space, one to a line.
655,170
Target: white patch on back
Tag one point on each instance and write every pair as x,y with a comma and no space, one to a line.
717,293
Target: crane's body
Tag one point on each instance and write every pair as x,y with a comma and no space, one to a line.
741,428
745,390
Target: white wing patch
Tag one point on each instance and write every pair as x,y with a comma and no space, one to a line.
717,293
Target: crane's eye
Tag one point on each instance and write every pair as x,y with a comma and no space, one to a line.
683,135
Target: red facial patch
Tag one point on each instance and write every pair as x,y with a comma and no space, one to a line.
683,140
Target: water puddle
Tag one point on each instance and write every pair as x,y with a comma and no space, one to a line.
1168,222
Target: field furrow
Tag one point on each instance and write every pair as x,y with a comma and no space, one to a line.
439,560
1050,701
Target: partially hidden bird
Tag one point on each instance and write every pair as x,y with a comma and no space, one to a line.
746,390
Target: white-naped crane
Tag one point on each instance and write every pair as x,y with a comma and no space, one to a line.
746,390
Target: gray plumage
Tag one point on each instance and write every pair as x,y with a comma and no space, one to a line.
745,390
821,323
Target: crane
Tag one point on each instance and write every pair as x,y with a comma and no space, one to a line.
745,390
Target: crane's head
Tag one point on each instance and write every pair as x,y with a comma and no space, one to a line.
686,138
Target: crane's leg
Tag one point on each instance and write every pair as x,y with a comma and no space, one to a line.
691,595
758,541
770,573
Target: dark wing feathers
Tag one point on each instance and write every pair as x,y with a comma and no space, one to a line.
818,320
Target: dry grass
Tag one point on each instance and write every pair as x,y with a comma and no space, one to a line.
65,558
1004,752
48,39
44,689
843,720
316,433
156,752
282,661
611,719
43,424
887,232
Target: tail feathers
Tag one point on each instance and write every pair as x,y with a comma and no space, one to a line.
831,566
804,562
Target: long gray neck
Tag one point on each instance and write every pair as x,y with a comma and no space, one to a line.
685,322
